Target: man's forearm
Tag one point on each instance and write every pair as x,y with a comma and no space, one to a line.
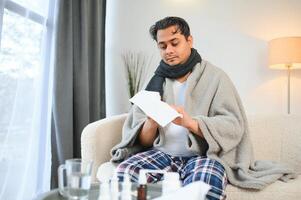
148,133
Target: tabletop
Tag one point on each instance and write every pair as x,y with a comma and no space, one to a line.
153,191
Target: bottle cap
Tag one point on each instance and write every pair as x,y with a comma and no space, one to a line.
142,177
126,179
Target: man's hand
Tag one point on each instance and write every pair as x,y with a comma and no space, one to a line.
186,121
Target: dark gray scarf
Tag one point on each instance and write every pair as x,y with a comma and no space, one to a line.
166,71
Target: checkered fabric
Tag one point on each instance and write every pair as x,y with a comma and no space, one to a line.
191,169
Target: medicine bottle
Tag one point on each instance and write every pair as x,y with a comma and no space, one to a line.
142,187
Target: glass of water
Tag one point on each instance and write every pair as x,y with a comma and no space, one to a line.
78,173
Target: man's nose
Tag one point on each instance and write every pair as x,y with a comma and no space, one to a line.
169,49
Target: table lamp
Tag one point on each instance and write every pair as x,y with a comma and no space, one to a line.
285,53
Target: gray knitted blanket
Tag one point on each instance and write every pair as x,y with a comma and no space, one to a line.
212,99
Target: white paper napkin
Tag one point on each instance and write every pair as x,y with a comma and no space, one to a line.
193,191
150,103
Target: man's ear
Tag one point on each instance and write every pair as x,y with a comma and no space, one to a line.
190,40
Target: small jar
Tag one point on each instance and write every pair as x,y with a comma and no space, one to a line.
170,183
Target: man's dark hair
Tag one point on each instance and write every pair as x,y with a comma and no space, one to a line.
180,23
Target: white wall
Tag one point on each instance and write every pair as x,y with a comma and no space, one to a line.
231,34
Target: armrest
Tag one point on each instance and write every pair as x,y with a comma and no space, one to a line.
98,138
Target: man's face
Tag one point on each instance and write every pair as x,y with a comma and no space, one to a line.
174,47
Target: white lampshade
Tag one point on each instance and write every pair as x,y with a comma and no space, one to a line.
285,52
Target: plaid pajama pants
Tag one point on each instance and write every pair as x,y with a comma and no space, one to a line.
191,169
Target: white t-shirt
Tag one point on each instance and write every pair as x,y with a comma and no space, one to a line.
176,136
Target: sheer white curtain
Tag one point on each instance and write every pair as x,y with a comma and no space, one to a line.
27,31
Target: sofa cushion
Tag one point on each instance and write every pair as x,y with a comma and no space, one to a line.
277,138
276,191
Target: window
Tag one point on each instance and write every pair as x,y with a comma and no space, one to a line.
20,60
24,76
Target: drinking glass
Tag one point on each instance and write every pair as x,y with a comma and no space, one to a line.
78,173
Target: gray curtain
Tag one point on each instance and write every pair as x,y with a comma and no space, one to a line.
79,76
